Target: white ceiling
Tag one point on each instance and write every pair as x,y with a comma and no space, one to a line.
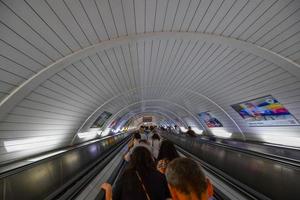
63,62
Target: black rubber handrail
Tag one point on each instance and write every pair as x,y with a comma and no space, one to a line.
280,159
113,178
78,183
30,165
242,188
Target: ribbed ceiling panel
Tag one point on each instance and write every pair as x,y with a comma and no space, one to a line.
185,75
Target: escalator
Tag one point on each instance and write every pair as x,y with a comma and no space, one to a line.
62,176
256,175
78,173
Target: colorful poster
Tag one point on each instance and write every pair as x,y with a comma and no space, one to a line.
100,121
210,121
114,124
265,111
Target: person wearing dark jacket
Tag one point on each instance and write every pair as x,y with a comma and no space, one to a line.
140,181
190,132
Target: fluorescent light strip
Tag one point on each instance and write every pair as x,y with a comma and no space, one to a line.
46,156
197,130
87,134
220,132
183,129
30,143
106,132
288,141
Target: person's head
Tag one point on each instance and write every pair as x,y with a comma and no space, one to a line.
189,128
152,128
186,180
142,129
137,136
141,160
167,151
155,136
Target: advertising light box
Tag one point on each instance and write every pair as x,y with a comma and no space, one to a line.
100,121
209,120
265,111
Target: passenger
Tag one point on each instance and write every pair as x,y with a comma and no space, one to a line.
186,180
190,132
176,129
143,134
134,142
140,181
152,131
143,143
167,153
147,132
169,129
155,144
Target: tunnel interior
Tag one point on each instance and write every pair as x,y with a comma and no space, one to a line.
66,64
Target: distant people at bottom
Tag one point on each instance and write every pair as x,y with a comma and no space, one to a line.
187,181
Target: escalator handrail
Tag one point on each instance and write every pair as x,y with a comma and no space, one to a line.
33,164
280,159
70,190
242,188
113,178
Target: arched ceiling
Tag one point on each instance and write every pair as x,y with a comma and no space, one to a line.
63,62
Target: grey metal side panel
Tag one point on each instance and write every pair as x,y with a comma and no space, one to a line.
274,179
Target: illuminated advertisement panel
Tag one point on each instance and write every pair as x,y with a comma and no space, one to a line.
209,120
265,111
147,119
100,121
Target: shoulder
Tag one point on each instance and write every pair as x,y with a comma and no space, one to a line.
157,176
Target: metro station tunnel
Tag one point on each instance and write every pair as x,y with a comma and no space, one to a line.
217,79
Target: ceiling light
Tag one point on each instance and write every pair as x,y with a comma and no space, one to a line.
197,130
106,132
283,140
30,143
87,134
183,129
220,132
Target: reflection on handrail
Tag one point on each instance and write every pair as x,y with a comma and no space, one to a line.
46,156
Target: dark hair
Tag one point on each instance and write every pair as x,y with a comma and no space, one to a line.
137,135
144,142
152,128
167,151
155,136
186,176
141,160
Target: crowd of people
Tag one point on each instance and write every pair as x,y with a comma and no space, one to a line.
175,129
155,171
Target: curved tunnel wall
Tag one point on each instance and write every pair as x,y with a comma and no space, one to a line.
61,60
